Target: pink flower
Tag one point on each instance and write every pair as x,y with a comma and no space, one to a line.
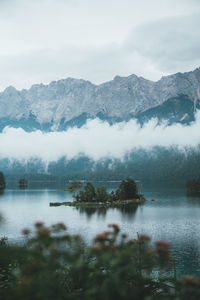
101,237
39,224
61,226
43,231
163,244
132,241
115,227
144,237
26,231
190,280
124,235
97,247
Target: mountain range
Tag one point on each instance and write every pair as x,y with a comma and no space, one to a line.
71,102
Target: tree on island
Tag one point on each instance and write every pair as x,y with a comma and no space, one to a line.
101,194
2,181
90,192
87,195
23,183
127,190
193,187
74,185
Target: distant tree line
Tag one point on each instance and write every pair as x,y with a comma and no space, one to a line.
156,166
161,166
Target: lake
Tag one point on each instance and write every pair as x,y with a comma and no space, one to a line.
172,217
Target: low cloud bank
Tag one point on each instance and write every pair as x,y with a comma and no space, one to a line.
97,139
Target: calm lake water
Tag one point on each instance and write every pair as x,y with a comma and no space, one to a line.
172,217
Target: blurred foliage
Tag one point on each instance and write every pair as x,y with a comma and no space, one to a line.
53,264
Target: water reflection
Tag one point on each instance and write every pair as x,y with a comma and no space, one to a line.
90,211
125,210
172,217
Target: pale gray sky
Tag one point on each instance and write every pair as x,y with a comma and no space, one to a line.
45,40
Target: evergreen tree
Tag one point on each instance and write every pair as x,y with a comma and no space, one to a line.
2,181
88,195
127,190
101,194
89,192
23,183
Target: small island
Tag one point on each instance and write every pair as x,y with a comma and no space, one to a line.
127,193
23,183
193,188
2,183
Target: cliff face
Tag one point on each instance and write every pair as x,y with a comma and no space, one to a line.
70,102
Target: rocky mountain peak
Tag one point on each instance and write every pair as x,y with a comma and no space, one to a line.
122,98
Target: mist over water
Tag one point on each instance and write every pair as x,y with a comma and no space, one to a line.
96,140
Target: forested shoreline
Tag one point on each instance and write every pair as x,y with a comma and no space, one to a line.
160,166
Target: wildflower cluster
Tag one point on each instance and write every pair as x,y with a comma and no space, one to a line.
53,264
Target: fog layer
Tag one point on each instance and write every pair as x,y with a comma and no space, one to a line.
97,139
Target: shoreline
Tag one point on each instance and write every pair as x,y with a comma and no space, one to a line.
140,200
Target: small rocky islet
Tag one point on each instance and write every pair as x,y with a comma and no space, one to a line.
126,194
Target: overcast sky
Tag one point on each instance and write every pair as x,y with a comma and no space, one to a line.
45,40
